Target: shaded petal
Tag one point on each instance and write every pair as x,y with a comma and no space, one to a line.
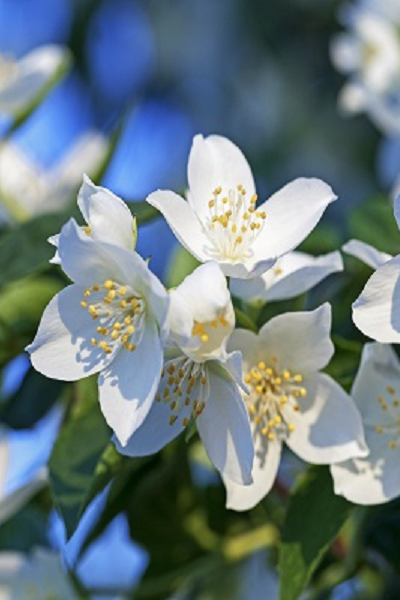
128,386
252,267
215,162
265,466
107,215
327,426
300,340
225,429
62,347
156,430
233,364
293,274
378,372
86,155
373,479
183,222
367,253
292,213
375,312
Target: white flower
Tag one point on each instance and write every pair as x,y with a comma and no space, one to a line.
366,253
27,190
376,391
370,54
376,311
37,577
293,274
220,221
113,320
22,82
200,380
107,217
291,402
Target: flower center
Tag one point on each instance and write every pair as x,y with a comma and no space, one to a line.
119,314
272,392
184,387
390,404
233,223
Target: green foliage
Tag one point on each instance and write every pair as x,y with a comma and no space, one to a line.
313,519
80,460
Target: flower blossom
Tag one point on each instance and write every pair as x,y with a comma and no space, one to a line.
112,320
200,379
376,312
26,189
293,274
24,81
369,52
290,401
375,478
220,220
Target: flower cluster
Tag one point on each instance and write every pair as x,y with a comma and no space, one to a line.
170,361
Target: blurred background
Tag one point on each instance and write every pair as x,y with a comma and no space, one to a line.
146,76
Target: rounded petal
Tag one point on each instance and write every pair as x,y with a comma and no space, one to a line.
267,456
371,480
225,430
107,215
247,343
375,312
293,274
300,341
128,386
367,253
215,162
62,347
183,222
292,213
327,426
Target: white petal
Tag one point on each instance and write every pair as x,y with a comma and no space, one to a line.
367,253
300,341
85,156
215,162
267,456
379,371
371,480
345,52
183,222
327,426
127,387
233,364
292,213
375,312
225,430
156,430
252,267
107,215
293,274
62,347
34,72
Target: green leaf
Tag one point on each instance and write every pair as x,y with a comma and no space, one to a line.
244,321
21,306
182,263
313,520
31,401
24,250
75,464
373,222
